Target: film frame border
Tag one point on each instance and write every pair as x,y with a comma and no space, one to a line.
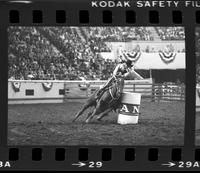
72,13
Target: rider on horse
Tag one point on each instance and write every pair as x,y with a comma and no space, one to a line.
124,68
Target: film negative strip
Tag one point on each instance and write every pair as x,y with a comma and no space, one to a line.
99,85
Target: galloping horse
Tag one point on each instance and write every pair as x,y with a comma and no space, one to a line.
109,100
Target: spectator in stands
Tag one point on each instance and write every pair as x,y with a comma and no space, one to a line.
59,53
171,33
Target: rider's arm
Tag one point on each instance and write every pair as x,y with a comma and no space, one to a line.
129,70
116,70
134,74
126,74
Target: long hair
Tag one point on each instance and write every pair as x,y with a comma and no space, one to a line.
129,63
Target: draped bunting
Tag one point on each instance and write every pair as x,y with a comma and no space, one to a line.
158,60
134,56
167,57
47,86
84,86
151,60
16,86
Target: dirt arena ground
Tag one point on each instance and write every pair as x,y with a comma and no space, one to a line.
198,128
51,124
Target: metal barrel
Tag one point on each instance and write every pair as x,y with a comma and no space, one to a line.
129,108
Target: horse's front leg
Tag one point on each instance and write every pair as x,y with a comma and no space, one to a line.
87,105
104,114
90,116
96,111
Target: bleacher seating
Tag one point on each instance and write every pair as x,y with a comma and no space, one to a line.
69,53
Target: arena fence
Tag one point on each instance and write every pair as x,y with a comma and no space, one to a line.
48,91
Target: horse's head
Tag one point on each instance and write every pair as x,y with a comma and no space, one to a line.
119,82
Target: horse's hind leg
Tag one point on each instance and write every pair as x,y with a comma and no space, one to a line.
104,114
88,115
95,112
87,105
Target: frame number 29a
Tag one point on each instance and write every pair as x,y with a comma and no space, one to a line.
188,164
95,164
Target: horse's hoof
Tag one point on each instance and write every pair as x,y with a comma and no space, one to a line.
87,121
98,119
74,120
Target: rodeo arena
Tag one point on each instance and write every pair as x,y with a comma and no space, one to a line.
56,72
198,86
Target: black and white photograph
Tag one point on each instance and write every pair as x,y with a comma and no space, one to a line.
197,34
97,86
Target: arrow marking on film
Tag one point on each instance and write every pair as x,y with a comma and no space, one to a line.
169,164
79,164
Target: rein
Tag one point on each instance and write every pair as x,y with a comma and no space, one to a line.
110,91
112,95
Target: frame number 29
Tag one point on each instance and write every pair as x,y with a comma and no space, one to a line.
95,164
